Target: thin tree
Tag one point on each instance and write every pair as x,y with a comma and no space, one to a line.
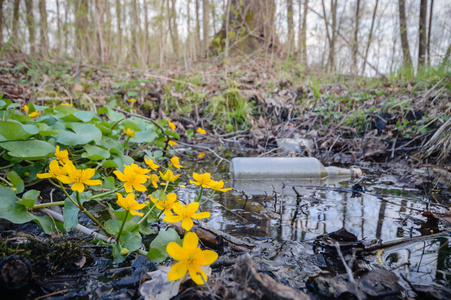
58,25
1,22
331,37
422,42
290,23
206,26
355,42
172,22
81,30
431,9
15,30
198,46
303,34
407,60
100,30
44,28
119,30
370,38
31,26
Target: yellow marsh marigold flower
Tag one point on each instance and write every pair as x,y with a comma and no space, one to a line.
78,178
132,179
218,186
55,170
190,258
153,166
129,203
185,213
154,178
200,155
33,114
138,170
201,179
176,162
25,108
169,176
63,156
129,132
172,125
167,205
132,100
201,131
172,143
66,104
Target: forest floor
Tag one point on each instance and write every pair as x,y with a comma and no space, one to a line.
398,128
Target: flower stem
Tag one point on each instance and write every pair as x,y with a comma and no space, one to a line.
107,193
200,194
209,197
147,214
166,187
122,227
48,204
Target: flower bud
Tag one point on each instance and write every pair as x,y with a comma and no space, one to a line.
125,252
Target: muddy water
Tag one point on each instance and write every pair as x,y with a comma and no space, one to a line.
271,215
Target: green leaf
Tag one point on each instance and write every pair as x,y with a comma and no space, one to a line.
132,94
112,226
11,210
131,240
83,134
130,124
95,153
108,183
70,211
12,130
175,135
122,160
118,258
157,252
145,136
45,130
80,116
29,198
109,164
16,181
29,149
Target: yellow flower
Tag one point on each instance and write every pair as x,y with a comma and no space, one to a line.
54,171
138,170
132,179
176,162
63,156
172,143
25,108
154,178
218,186
167,205
189,258
132,100
151,164
78,178
169,176
201,179
66,104
129,203
200,155
201,131
185,213
129,132
33,114
172,125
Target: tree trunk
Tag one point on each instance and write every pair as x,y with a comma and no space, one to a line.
58,26
422,43
403,29
119,30
370,37
198,45
100,30
303,37
44,28
146,31
31,26
250,25
290,23
81,23
172,22
333,35
15,30
355,42
205,26
1,22
429,33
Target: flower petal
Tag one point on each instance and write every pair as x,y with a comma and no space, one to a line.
190,241
135,213
177,271
187,224
196,274
120,175
175,251
201,215
172,219
207,258
93,182
78,186
44,175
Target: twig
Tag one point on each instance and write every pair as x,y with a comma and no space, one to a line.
51,294
205,148
348,270
80,227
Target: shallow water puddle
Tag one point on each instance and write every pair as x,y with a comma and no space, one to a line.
271,213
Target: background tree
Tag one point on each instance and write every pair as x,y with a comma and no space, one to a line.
44,28
422,42
31,25
290,22
206,26
403,29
